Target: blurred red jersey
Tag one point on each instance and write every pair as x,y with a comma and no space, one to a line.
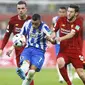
74,44
14,26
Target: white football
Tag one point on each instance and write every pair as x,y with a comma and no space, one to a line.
19,40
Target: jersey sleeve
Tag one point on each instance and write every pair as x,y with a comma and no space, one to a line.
47,30
54,20
25,28
7,34
29,17
78,26
56,27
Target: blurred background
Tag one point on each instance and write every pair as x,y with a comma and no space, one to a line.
47,9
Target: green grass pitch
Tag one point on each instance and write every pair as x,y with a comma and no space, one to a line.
8,76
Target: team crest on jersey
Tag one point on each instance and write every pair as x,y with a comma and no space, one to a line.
77,27
16,24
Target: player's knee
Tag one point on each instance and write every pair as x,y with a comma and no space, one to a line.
82,76
60,62
30,74
81,73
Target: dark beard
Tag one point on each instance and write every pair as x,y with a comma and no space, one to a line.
71,18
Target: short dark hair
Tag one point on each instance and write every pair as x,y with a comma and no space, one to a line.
62,7
36,17
76,7
22,2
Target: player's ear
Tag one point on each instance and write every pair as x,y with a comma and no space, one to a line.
77,13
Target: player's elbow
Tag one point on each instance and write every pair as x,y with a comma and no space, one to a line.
72,34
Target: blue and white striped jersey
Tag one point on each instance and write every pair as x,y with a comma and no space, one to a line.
35,37
55,19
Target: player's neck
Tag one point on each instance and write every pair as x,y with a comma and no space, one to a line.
22,17
72,19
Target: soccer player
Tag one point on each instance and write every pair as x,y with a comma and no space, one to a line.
61,13
71,39
32,56
14,26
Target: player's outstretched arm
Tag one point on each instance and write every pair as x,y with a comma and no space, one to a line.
10,50
68,36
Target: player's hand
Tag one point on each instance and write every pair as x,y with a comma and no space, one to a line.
58,39
10,51
1,51
52,40
47,38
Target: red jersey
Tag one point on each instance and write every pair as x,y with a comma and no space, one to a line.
74,44
14,26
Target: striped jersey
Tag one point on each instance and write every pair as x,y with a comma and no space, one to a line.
35,37
55,19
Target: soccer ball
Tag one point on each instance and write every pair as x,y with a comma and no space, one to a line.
19,40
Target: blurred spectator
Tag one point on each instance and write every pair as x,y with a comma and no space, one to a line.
2,29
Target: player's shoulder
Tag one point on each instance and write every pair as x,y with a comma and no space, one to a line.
28,22
62,19
29,17
44,25
79,19
14,17
55,17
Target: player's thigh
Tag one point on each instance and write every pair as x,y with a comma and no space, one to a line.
77,61
37,59
62,59
18,53
25,55
18,61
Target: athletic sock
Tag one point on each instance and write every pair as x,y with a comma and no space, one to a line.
32,82
63,72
